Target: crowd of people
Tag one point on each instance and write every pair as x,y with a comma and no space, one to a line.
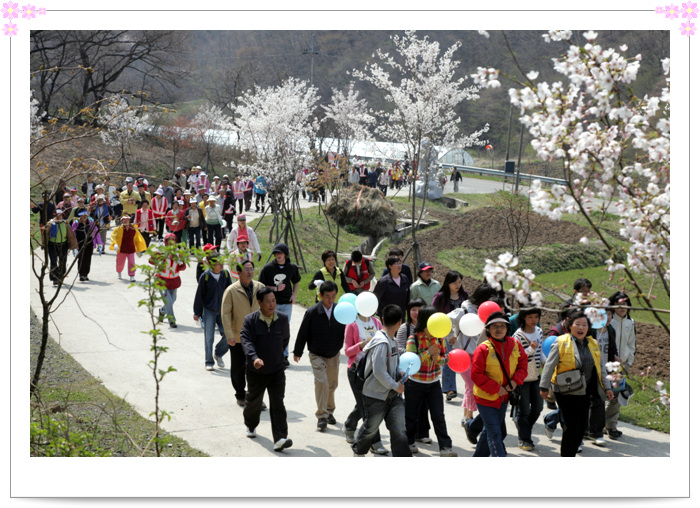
509,361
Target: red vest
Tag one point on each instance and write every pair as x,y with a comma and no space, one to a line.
352,273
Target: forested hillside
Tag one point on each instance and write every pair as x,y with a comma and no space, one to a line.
186,69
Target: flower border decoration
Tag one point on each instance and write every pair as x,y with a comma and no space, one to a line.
11,11
688,11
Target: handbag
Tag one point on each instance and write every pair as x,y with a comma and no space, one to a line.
514,394
571,381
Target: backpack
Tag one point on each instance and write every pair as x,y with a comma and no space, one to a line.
360,376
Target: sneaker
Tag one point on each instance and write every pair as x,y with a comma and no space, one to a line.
349,435
599,441
119,275
132,279
286,361
580,448
470,435
87,279
82,279
209,367
378,449
161,316
283,443
250,432
219,362
413,448
173,325
331,420
549,431
524,445
447,452
322,424
240,402
451,395
424,440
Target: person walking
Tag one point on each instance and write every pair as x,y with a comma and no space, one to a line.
576,353
357,336
127,240
382,389
207,309
324,336
264,338
239,300
60,239
423,387
530,336
500,365
170,268
86,233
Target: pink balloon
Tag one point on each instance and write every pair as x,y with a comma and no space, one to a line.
459,360
486,309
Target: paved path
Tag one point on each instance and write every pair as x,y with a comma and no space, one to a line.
101,325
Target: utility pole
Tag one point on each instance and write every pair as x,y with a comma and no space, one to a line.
313,51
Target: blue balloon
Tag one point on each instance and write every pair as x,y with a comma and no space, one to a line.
547,344
409,363
348,297
345,313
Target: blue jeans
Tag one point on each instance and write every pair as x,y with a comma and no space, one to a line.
449,383
529,409
170,295
359,410
490,441
393,413
552,419
212,319
286,309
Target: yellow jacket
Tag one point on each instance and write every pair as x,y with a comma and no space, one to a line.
567,356
116,238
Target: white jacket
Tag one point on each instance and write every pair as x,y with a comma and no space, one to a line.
626,336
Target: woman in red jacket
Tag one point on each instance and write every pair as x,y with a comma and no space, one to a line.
175,220
492,385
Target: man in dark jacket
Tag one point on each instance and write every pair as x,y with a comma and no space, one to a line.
264,337
207,308
282,276
324,336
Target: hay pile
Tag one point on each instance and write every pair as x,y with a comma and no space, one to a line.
372,214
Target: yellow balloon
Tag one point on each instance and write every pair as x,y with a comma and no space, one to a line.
439,325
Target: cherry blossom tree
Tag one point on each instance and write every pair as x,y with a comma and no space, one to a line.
213,127
422,88
122,123
276,127
616,151
351,118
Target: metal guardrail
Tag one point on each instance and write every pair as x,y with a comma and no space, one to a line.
503,174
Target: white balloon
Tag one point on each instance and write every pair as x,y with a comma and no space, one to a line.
471,325
366,304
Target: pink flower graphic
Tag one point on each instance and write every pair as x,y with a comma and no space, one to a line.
660,9
9,10
29,11
672,11
690,10
687,28
41,11
10,29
